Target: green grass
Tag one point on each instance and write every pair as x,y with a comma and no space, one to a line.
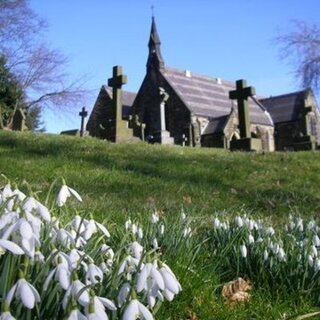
118,181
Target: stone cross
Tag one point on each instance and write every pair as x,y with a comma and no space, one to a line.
116,82
184,140
241,94
164,97
82,114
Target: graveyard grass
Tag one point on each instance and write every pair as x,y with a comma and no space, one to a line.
121,181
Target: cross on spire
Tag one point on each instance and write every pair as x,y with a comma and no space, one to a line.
152,10
82,114
241,94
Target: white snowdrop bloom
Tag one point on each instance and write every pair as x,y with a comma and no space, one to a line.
103,229
251,224
250,239
149,275
239,221
310,260
311,224
276,248
270,231
73,290
128,224
136,310
128,265
136,249
123,294
61,274
316,240
216,223
317,265
140,233
134,228
282,255
76,315
243,251
94,274
299,224
155,244
65,238
66,192
6,192
313,251
7,316
11,246
25,292
291,225
162,229
20,195
265,255
170,281
74,258
183,215
154,217
97,308
260,239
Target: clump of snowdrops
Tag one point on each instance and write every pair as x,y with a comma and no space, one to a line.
286,259
76,270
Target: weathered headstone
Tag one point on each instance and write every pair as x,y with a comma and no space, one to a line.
121,130
241,94
82,114
19,121
164,134
306,141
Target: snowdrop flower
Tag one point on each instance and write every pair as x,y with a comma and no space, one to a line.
94,274
25,292
316,240
123,294
140,233
311,224
243,251
314,251
270,231
187,232
250,239
96,309
149,274
128,265
136,249
265,255
162,229
73,290
300,224
183,215
6,316
310,260
317,265
134,228
135,310
66,192
155,244
61,274
154,217
216,223
32,205
128,224
172,285
239,221
282,255
10,246
74,258
76,315
108,253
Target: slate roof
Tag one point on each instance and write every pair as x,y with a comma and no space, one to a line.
286,107
209,97
127,98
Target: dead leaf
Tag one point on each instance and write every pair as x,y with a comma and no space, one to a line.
187,199
237,291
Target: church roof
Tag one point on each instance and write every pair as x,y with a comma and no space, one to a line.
209,97
286,107
216,125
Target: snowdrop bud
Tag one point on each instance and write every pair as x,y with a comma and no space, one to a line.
187,232
281,255
270,231
251,224
311,224
154,217
276,248
317,265
239,221
162,229
123,294
128,224
216,223
155,244
314,251
243,251
300,224
316,240
291,225
310,260
183,215
251,239
265,255
140,233
134,228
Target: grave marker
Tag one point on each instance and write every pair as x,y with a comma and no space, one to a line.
82,114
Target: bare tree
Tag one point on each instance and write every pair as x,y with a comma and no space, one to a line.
39,69
302,47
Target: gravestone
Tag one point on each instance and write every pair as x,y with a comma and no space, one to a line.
19,121
164,133
82,114
184,140
241,94
121,131
306,141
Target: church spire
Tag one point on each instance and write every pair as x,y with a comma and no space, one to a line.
155,58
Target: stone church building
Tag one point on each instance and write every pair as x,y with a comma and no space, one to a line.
181,107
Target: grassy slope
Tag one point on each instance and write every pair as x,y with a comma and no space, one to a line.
116,180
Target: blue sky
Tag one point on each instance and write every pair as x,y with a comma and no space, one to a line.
230,39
